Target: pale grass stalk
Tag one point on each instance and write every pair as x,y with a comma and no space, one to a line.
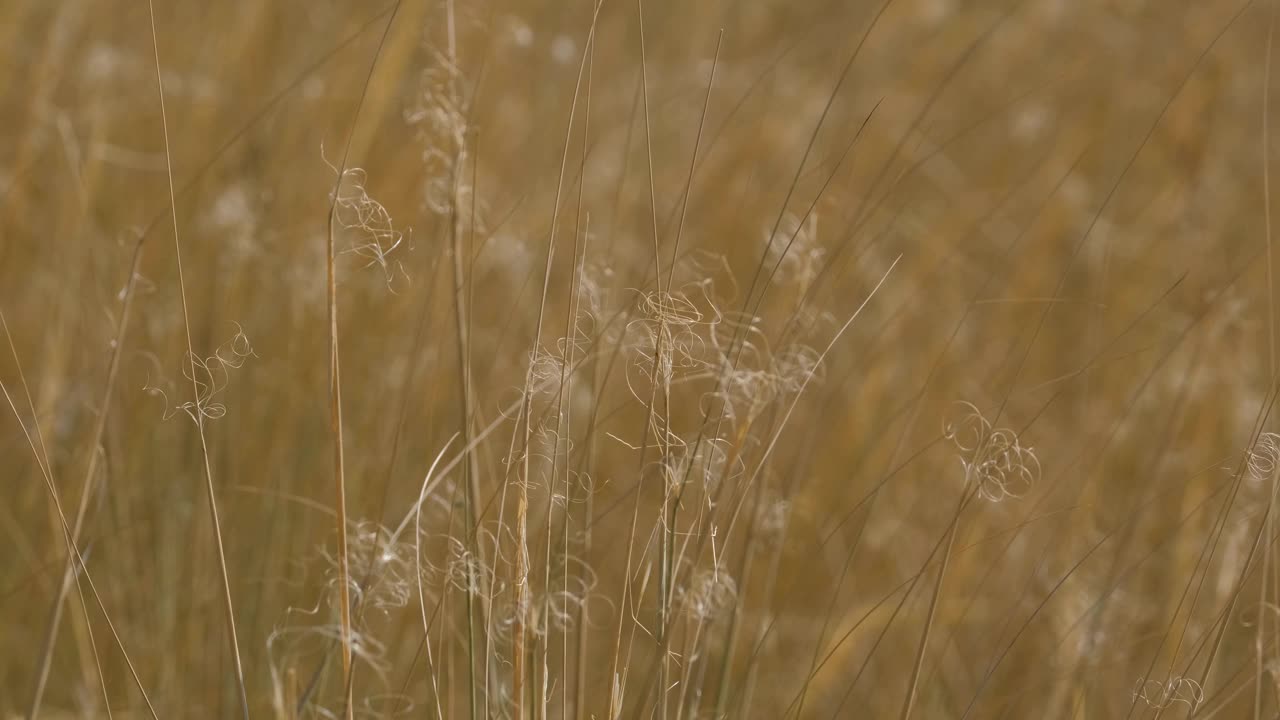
564,427
922,647
703,535
1259,637
471,472
457,460
198,414
417,565
1264,586
777,434
1039,607
670,505
448,671
663,385
568,483
445,610
46,472
867,206
91,471
581,228
520,577
917,667
751,673
745,566
1186,78
821,661
335,386
493,570
905,588
70,575
785,420
991,669
1116,571
339,463
588,464
738,341
909,703
291,693
691,649
617,680
1224,620
520,570
462,321
748,682
686,662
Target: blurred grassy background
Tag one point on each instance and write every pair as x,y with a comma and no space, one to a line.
1074,193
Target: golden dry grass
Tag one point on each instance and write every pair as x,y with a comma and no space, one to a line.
697,359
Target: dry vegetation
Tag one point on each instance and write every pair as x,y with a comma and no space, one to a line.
659,359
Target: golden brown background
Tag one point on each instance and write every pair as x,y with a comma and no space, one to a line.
1076,198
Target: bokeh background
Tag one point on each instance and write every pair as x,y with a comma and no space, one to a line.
1034,477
